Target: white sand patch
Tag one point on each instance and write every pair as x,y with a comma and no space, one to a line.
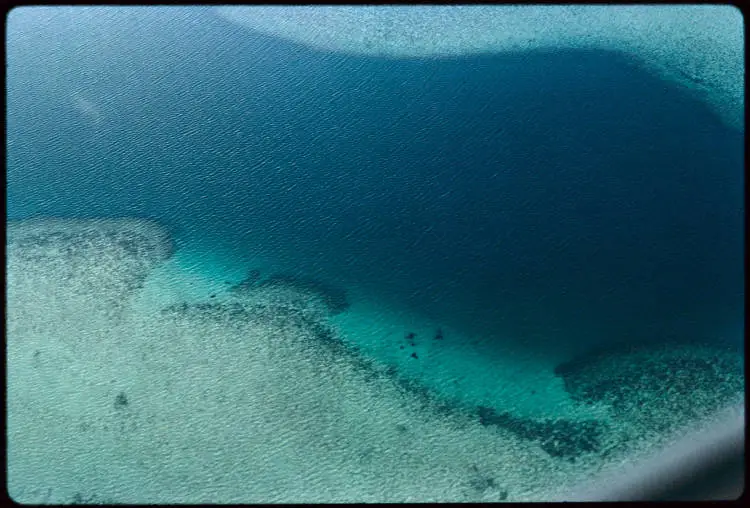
700,47
88,109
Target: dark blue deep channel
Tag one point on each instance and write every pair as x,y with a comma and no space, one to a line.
561,196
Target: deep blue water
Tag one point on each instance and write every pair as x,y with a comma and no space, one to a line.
562,193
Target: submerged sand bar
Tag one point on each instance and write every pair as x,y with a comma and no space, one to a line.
700,47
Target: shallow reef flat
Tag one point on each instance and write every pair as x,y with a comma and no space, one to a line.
257,397
58,262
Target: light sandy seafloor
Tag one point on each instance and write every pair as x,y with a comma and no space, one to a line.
700,47
128,383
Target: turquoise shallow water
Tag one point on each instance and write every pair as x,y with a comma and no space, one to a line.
462,366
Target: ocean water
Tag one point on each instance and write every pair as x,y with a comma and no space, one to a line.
490,217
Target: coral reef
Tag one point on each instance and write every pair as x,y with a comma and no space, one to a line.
559,438
127,238
79,498
661,386
333,298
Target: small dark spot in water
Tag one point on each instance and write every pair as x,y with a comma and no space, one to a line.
401,427
482,483
79,498
36,353
411,335
227,282
439,334
414,355
533,392
121,400
213,296
366,454
412,344
402,347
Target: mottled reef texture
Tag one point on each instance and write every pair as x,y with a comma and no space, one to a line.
103,260
333,297
560,438
660,385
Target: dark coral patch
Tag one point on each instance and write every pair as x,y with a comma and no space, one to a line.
333,297
559,438
121,400
679,380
